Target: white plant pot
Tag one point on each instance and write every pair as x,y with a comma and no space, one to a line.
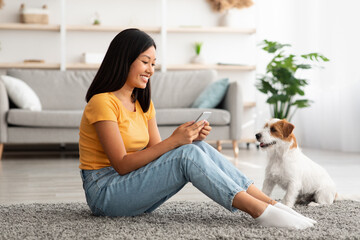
198,59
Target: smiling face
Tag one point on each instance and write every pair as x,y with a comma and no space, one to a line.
275,132
142,69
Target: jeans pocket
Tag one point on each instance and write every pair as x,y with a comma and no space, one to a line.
86,176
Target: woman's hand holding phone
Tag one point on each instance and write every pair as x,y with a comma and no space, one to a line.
187,132
203,116
192,131
204,132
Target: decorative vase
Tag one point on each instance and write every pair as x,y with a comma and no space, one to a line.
229,18
198,59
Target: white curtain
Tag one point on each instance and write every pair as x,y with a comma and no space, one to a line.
331,28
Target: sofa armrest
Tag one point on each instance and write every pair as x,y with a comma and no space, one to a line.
4,108
233,102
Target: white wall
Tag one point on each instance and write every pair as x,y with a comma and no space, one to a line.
337,108
331,28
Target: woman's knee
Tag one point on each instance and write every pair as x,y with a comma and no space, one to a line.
204,146
201,144
188,148
190,152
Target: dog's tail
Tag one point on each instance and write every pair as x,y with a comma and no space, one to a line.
352,197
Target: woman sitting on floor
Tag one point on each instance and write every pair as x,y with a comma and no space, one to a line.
128,170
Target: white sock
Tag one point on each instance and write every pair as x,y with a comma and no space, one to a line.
290,210
275,217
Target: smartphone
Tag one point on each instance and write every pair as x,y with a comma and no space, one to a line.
203,116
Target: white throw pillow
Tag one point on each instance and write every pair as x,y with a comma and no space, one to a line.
21,94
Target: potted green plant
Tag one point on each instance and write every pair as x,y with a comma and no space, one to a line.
96,19
281,83
198,58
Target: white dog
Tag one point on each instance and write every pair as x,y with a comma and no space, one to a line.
303,180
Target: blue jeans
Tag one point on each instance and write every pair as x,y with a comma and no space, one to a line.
145,189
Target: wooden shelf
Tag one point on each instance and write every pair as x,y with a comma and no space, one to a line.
189,29
31,65
33,27
96,66
89,66
210,66
82,66
101,28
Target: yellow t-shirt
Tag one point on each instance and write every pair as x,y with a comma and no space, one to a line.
133,127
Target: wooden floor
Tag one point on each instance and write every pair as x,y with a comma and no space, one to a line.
54,177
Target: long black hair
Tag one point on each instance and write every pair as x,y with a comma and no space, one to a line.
114,69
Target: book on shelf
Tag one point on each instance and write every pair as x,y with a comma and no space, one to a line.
231,64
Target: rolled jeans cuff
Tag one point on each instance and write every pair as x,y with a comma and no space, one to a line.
233,194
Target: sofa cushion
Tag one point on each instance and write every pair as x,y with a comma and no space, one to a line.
45,118
72,118
166,116
57,90
212,95
179,89
21,94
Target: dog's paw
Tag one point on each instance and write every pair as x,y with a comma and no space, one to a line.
313,204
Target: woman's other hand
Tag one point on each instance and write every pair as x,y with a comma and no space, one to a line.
187,133
204,132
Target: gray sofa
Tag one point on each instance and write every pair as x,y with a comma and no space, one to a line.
62,96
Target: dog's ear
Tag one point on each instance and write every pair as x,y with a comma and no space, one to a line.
288,128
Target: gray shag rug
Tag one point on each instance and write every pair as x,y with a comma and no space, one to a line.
173,220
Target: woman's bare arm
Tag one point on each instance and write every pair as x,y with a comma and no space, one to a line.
154,134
